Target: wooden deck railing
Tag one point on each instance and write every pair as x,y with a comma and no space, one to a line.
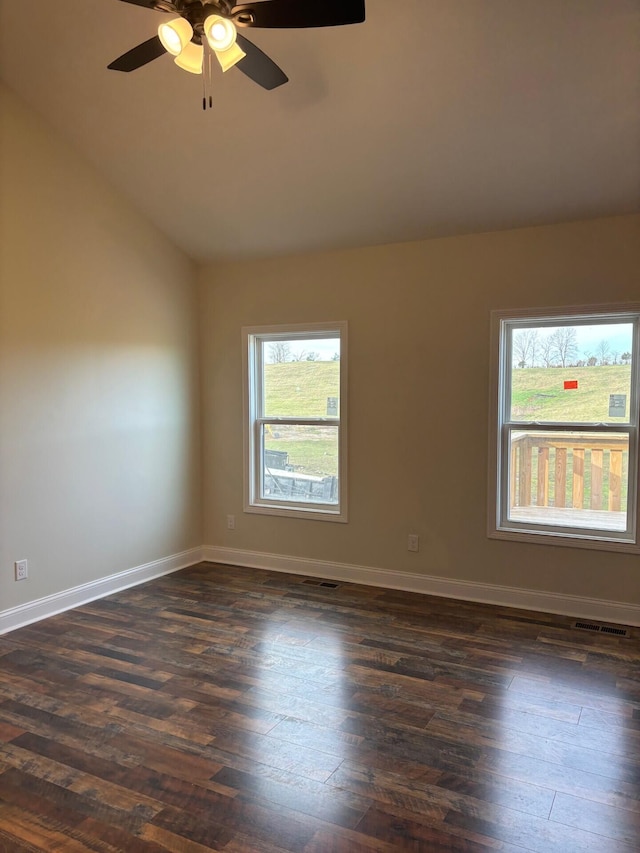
541,460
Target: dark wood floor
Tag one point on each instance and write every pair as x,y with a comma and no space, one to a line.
231,709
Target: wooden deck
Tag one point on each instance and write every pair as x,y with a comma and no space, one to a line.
244,711
568,517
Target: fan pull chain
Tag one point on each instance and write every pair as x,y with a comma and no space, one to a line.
210,80
204,85
207,79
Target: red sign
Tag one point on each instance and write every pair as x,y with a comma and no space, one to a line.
570,383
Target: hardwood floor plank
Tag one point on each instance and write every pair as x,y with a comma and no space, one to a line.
605,720
604,820
65,804
403,833
588,786
495,707
9,732
444,790
207,833
283,755
300,795
236,714
300,708
611,743
597,696
100,836
238,710
270,825
10,844
537,835
333,842
168,840
46,727
164,788
490,788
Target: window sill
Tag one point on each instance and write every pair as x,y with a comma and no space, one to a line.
565,540
302,512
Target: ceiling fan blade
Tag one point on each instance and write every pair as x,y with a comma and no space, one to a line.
258,66
138,56
148,4
299,13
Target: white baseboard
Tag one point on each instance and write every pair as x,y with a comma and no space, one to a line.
33,611
506,596
524,599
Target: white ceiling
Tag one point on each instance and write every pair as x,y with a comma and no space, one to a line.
434,117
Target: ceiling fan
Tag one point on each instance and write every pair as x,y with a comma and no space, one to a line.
211,26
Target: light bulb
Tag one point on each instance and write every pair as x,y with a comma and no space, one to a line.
175,35
220,32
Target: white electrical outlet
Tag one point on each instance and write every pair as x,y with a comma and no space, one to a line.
21,569
231,522
413,542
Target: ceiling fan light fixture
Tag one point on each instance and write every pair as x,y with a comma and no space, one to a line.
228,58
175,35
220,32
191,58
184,36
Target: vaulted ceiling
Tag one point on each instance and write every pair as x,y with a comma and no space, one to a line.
434,117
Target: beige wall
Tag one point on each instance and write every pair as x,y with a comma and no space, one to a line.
99,445
99,438
418,318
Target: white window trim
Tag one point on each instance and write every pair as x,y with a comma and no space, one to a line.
498,527
253,503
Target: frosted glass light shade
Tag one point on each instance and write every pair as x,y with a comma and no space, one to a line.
228,58
191,58
220,32
175,35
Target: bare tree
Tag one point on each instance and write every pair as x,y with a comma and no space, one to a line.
525,347
279,352
626,357
603,351
615,355
563,343
299,355
546,351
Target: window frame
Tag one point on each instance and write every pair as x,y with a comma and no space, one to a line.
503,325
254,419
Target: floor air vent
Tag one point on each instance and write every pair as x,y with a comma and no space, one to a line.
602,629
325,584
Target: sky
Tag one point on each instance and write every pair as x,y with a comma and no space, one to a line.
325,347
618,335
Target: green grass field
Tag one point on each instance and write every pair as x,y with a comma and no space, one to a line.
538,393
301,388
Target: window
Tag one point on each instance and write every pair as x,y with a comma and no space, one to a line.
295,420
564,432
